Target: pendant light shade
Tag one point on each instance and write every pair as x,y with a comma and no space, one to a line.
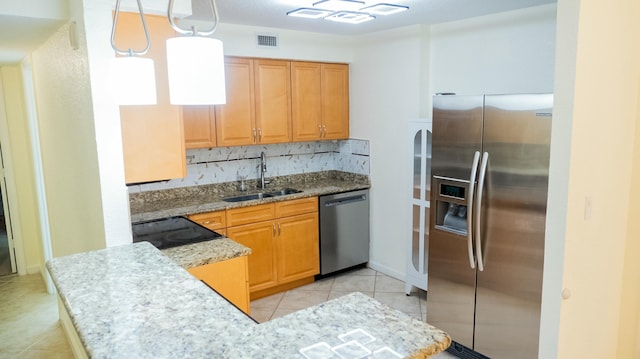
196,71
133,80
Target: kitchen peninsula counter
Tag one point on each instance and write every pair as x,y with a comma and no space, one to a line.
133,301
184,201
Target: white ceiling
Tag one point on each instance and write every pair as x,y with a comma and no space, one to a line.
272,13
26,25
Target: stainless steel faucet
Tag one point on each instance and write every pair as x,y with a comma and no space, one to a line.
263,168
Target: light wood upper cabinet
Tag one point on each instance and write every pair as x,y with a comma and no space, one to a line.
306,104
335,101
199,126
235,120
273,100
258,108
152,135
320,101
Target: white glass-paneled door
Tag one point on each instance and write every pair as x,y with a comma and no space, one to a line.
7,252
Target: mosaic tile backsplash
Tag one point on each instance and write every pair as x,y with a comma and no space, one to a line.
228,164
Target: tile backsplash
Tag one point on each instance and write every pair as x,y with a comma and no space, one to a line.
228,164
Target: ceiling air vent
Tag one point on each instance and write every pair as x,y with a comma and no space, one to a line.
267,40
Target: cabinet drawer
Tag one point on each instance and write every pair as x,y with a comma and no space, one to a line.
296,206
251,214
212,220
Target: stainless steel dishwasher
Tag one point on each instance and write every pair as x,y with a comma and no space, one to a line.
344,230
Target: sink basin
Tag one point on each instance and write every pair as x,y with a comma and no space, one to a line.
261,195
283,192
247,197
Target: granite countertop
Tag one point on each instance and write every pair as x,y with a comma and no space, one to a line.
151,205
133,301
207,252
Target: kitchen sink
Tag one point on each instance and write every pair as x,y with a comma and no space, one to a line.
262,195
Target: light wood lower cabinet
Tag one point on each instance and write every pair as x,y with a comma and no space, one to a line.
262,266
229,278
215,221
284,247
297,249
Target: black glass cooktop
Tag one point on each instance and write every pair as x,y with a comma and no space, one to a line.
171,232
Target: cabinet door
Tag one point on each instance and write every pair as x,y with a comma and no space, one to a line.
199,126
273,100
235,120
306,109
335,101
229,278
297,247
152,135
258,237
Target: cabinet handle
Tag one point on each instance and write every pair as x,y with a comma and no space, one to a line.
255,136
320,130
279,230
260,134
206,222
274,229
324,129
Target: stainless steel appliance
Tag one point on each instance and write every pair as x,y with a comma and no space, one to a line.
488,205
344,230
171,232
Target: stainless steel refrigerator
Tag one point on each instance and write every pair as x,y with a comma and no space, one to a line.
489,172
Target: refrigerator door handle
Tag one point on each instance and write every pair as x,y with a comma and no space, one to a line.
472,184
483,173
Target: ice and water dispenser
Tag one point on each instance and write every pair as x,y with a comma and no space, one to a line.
450,209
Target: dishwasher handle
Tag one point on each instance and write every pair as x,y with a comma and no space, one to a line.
346,200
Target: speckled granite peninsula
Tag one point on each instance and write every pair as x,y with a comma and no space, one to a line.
199,199
132,301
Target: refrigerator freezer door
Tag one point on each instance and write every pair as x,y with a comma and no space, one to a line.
517,132
457,132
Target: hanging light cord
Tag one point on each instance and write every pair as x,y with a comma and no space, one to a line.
193,31
129,52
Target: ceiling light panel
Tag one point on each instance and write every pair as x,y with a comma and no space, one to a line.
310,13
349,17
384,9
339,5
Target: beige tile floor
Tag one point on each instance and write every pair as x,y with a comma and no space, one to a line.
29,326
385,289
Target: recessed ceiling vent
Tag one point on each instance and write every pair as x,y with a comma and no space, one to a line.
267,40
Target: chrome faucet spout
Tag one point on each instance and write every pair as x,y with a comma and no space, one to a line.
263,168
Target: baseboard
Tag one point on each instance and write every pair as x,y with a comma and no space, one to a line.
34,269
387,270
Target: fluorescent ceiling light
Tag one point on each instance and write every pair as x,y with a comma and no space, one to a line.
310,13
339,5
350,17
384,9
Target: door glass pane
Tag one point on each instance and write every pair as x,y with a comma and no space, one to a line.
417,164
425,239
427,169
415,246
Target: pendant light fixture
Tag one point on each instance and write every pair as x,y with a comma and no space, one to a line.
132,78
195,64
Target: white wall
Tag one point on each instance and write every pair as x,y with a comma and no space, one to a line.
68,143
395,73
597,89
385,94
511,52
